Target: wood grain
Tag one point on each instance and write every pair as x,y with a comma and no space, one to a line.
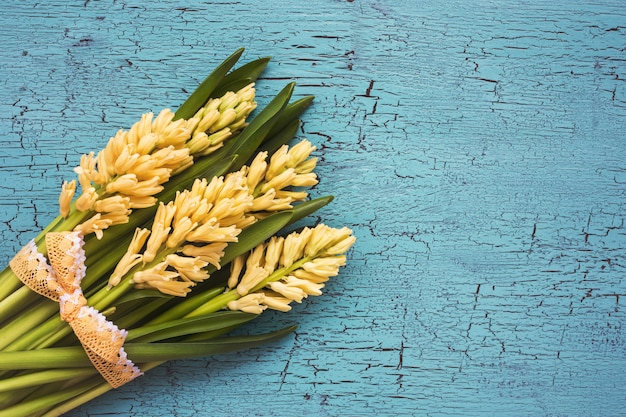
476,148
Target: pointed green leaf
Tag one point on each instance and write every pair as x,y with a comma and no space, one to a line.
292,111
189,326
281,138
250,138
242,76
250,70
75,356
256,233
31,406
142,295
233,85
42,377
200,96
307,208
67,357
214,334
153,352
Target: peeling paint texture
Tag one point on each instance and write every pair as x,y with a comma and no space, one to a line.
477,149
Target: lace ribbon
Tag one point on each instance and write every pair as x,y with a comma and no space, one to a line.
60,281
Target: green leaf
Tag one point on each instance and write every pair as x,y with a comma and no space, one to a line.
233,85
142,295
131,313
292,111
251,137
281,138
189,326
286,126
42,377
242,76
250,70
31,406
75,356
256,233
67,357
200,96
214,334
152,352
307,208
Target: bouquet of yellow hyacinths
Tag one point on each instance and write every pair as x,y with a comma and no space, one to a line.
183,230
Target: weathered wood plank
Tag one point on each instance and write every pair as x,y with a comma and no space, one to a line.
476,149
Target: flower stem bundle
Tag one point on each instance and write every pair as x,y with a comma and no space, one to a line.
178,231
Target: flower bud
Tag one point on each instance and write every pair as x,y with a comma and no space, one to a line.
65,198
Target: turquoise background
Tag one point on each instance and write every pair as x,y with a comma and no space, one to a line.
476,149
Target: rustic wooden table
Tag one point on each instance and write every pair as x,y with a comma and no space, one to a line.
477,149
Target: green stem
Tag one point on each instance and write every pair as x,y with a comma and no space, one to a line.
51,227
43,377
47,334
279,273
15,396
185,327
75,356
15,303
215,304
8,283
89,395
52,358
11,333
29,407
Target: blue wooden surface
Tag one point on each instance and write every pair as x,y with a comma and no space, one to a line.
477,149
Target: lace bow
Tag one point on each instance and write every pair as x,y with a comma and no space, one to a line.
60,281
